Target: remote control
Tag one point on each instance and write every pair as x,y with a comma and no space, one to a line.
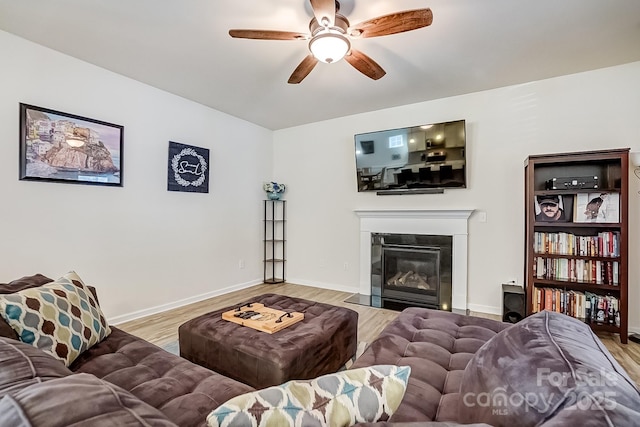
256,317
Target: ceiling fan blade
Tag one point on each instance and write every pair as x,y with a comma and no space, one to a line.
324,11
365,64
303,69
393,23
267,35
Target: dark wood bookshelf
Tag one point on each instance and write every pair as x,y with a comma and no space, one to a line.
611,171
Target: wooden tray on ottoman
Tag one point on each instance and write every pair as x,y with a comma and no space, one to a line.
272,320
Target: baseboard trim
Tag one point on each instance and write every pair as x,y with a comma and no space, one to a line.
486,309
180,303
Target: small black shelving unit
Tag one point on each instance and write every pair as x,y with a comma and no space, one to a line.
274,241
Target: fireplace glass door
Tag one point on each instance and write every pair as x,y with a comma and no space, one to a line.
412,270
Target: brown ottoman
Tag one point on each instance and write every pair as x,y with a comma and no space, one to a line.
318,345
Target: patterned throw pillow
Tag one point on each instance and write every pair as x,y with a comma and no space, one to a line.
341,399
61,318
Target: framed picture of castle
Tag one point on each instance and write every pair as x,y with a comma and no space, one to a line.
63,147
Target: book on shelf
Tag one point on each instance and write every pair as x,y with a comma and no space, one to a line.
591,271
586,306
603,244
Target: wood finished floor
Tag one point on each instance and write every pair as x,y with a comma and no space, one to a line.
162,328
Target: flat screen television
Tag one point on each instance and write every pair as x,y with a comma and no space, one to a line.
422,159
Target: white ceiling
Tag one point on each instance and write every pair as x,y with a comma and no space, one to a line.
183,47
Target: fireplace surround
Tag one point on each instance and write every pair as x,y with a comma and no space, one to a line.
427,222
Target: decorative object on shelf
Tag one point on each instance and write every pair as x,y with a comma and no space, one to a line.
587,182
553,208
188,168
597,207
274,190
62,147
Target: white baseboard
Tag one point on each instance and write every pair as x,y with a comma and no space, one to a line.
486,309
164,307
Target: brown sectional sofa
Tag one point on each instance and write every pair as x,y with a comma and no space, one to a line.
547,370
437,345
464,370
174,390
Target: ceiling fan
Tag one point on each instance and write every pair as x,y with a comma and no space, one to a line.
328,41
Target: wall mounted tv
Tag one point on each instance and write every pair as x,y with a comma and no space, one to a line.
417,159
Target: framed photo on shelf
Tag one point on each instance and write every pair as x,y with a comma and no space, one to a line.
553,208
597,207
63,147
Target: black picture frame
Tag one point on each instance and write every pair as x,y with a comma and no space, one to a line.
61,147
188,168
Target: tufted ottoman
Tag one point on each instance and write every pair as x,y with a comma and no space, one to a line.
437,345
320,344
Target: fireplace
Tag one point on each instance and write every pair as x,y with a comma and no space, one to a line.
433,223
411,270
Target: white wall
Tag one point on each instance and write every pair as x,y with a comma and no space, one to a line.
592,110
145,248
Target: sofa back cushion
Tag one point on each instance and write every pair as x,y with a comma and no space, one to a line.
62,317
24,365
547,365
17,285
79,400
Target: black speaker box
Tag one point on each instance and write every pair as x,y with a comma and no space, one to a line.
513,309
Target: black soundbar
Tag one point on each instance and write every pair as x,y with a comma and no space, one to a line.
398,191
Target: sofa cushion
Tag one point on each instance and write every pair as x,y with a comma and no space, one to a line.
17,285
437,345
548,365
185,392
61,317
80,400
24,365
340,399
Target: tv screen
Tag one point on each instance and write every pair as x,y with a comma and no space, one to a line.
419,157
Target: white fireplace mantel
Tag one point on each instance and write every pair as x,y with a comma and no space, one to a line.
418,221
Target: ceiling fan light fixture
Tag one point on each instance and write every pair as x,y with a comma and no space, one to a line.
329,46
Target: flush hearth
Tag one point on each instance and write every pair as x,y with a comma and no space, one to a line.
411,270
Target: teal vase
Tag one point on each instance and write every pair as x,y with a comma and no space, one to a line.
274,196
